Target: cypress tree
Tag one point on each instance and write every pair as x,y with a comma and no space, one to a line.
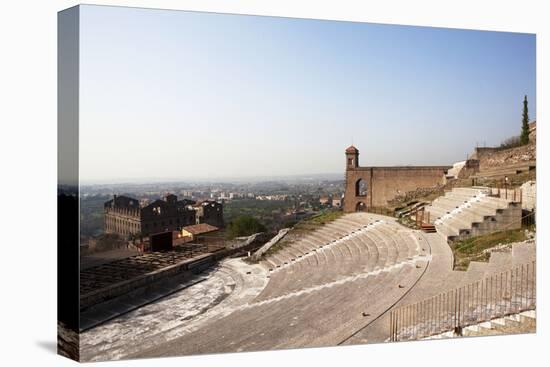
524,137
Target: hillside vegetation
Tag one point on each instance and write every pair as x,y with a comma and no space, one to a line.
476,248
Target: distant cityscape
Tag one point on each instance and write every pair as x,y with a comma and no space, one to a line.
275,203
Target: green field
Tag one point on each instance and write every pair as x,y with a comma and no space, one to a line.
268,212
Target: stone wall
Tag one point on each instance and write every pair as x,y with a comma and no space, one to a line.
275,240
481,152
420,192
529,195
489,159
533,131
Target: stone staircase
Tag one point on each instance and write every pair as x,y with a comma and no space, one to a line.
469,212
428,228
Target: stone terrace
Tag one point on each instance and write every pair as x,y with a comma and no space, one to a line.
98,277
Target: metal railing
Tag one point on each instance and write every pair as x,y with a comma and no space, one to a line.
513,194
498,295
422,217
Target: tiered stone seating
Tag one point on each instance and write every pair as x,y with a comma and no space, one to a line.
306,317
355,244
325,235
465,212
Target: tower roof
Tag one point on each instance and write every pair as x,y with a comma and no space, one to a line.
352,149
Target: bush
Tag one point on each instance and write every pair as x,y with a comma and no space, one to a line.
512,142
244,226
290,224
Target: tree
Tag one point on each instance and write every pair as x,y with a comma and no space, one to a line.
524,137
244,226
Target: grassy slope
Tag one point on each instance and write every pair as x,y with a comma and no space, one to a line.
304,227
472,249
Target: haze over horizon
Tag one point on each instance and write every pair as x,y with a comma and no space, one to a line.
215,180
175,95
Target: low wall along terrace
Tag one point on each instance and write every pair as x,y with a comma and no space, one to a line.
103,294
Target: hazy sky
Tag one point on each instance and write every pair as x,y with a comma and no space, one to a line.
173,94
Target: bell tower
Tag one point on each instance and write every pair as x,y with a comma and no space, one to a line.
352,158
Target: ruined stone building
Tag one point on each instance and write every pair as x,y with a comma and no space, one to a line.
125,216
210,212
374,186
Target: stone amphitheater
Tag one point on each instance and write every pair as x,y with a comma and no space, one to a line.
336,285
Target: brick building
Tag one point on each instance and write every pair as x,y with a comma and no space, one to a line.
374,186
125,216
210,212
